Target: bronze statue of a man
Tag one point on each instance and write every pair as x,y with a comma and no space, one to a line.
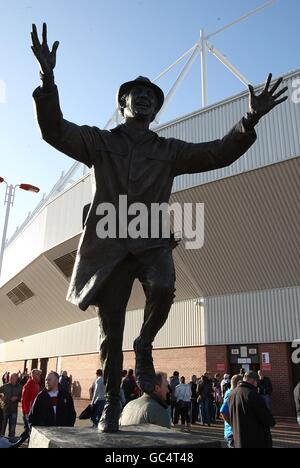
131,160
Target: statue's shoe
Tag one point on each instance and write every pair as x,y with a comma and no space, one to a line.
109,422
18,442
144,370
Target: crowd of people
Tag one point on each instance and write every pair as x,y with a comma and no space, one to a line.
243,402
47,403
178,403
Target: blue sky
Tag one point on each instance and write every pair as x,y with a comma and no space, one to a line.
104,43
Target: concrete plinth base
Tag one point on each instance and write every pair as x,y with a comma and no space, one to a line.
131,437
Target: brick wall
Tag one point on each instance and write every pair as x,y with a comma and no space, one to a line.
83,371
52,364
281,377
19,366
187,361
217,356
81,368
11,367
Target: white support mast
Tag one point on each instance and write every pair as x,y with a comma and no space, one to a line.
227,64
202,47
177,83
203,57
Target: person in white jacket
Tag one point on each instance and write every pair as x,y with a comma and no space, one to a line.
98,400
183,395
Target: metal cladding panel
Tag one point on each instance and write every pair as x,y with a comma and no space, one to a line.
254,317
278,134
76,339
64,213
251,244
46,310
257,317
278,140
57,222
25,248
252,231
184,327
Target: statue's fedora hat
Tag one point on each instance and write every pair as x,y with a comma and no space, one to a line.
141,80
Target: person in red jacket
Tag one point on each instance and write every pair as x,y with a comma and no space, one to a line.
30,391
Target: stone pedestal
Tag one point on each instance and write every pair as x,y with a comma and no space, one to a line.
131,437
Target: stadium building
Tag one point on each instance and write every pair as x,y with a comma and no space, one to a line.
238,297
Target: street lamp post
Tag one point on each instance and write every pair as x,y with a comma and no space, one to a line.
9,202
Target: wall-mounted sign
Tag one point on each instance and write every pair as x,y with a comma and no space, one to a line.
266,367
244,361
265,358
244,352
221,367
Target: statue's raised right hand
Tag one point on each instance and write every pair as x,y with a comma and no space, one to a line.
45,57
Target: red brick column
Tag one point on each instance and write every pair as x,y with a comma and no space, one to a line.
281,377
217,356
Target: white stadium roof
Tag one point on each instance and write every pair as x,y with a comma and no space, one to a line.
251,243
252,222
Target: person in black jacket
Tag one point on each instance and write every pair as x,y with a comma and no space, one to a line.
195,404
129,387
174,381
250,418
265,389
53,406
204,396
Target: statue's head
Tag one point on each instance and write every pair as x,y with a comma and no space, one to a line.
140,99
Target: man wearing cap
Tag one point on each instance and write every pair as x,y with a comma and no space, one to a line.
250,418
132,162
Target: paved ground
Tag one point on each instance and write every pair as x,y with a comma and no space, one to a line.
285,435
